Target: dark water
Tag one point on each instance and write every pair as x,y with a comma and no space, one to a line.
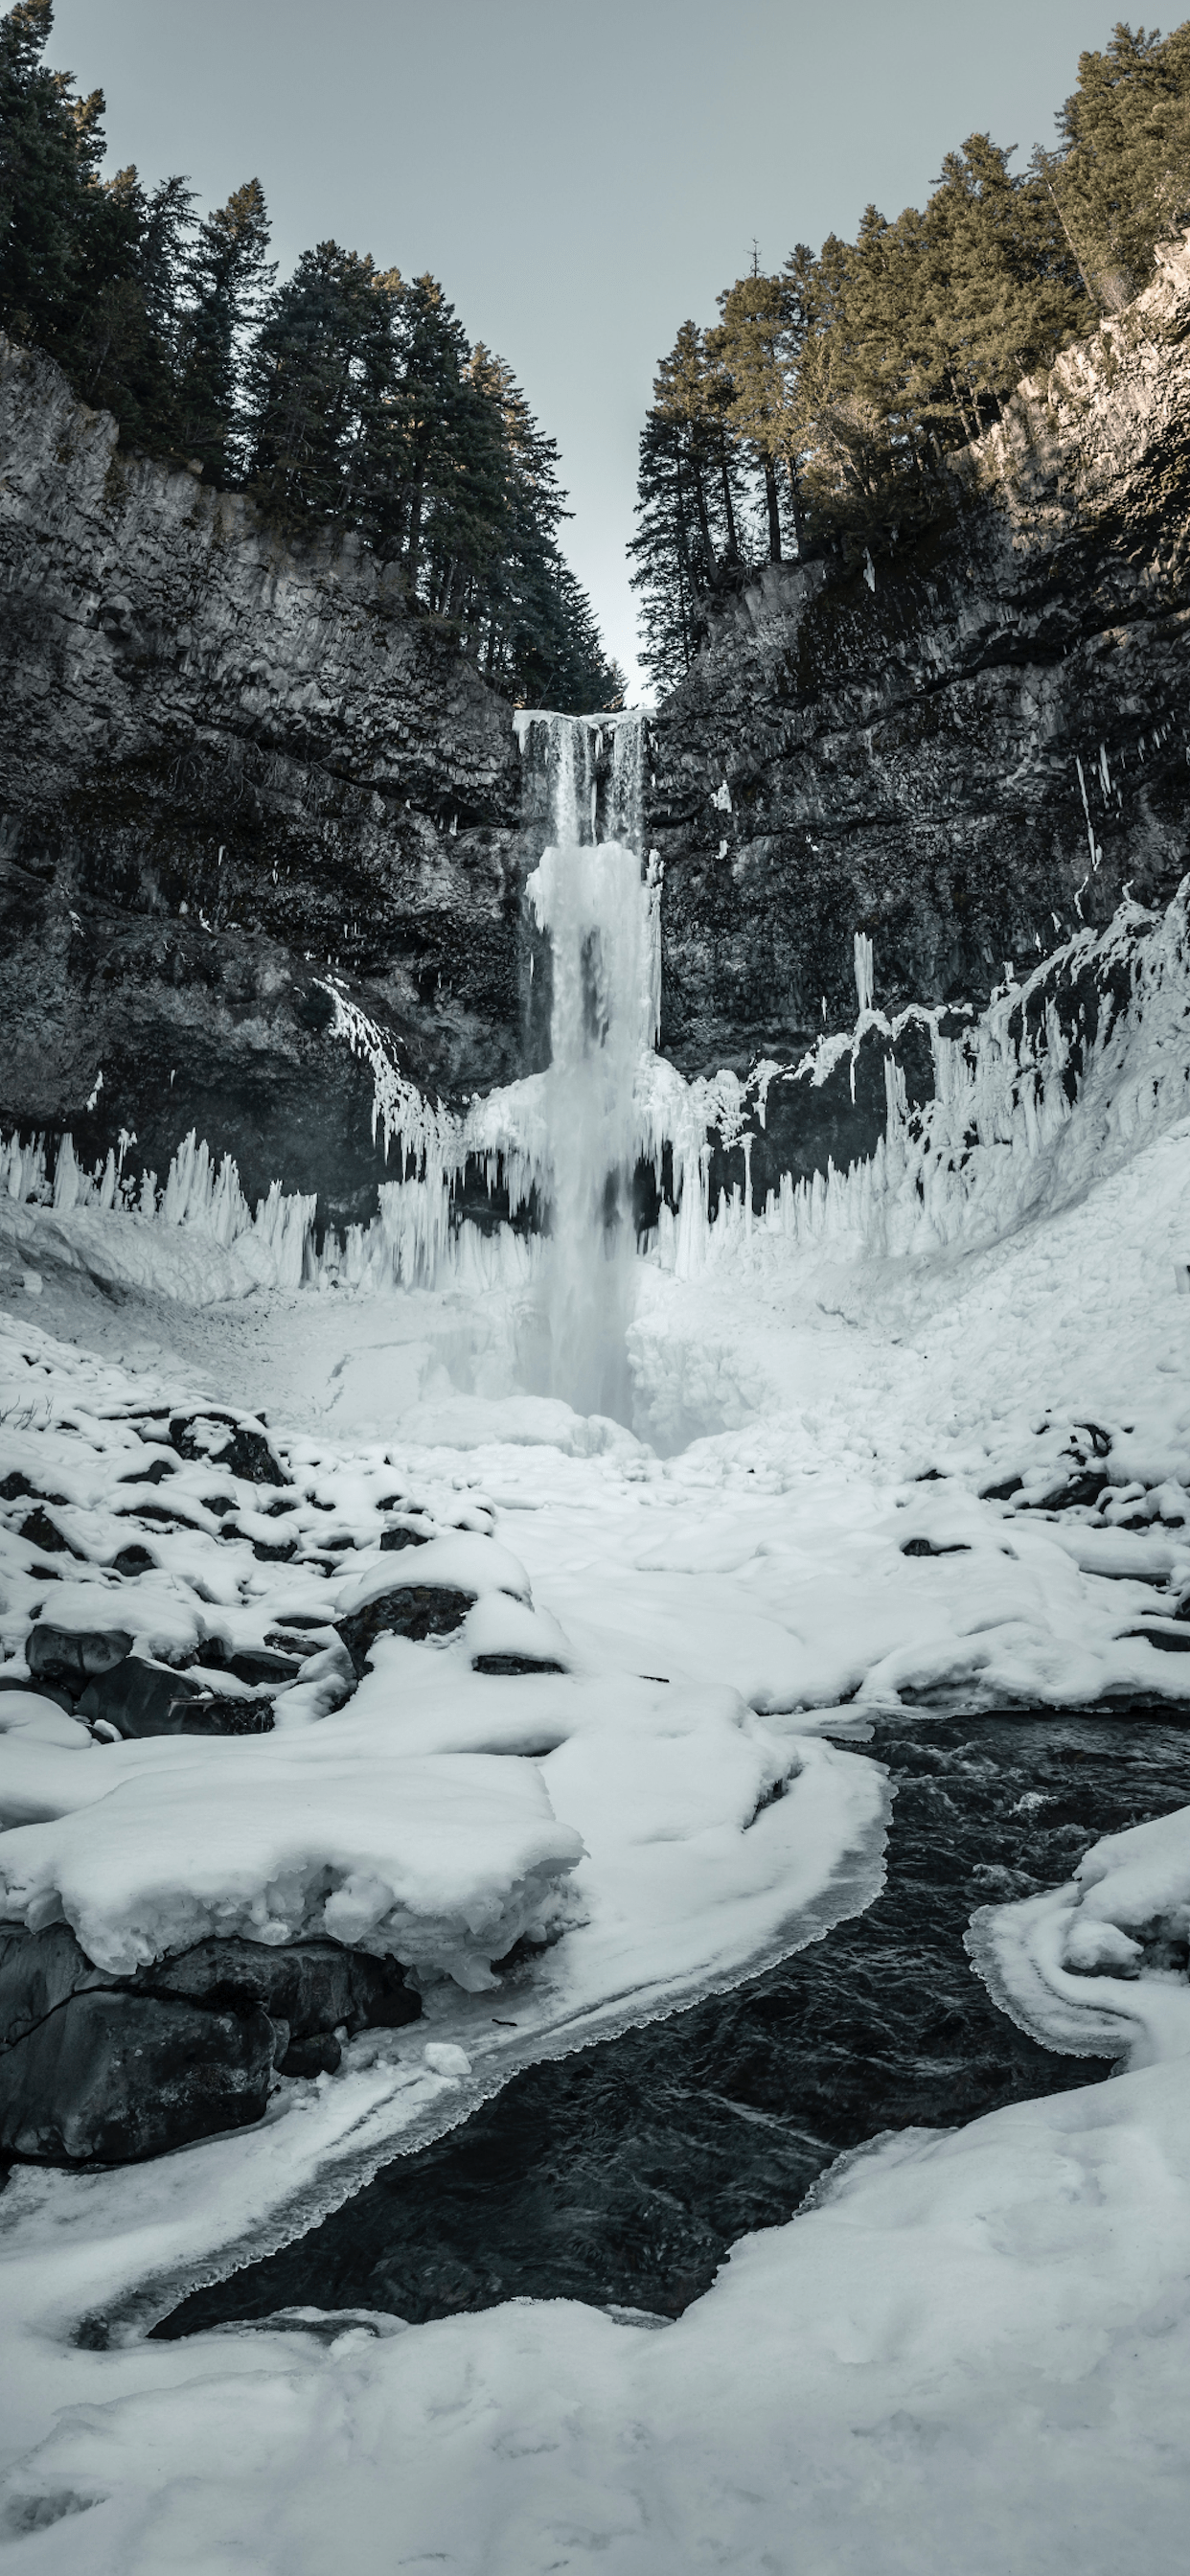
621,2174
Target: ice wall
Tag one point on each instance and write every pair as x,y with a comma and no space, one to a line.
1065,1074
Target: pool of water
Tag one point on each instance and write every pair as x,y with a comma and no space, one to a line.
621,2175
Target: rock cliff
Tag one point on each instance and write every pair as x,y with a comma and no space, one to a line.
962,746
226,764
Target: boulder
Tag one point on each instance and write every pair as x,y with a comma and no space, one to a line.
39,1971
113,2077
245,1453
140,1698
94,2071
314,1986
416,1610
73,1655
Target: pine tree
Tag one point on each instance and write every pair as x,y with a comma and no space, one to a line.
661,551
51,145
320,376
1121,179
227,282
751,344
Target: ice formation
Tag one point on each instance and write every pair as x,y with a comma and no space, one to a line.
601,918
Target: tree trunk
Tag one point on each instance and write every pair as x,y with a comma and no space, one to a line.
733,546
704,523
413,545
770,494
795,502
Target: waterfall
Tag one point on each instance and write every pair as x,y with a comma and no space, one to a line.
588,893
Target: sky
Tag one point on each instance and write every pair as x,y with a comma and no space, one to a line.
580,179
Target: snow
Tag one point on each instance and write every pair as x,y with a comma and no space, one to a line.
1101,1963
441,1862
970,2351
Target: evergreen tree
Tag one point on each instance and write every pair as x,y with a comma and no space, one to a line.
226,286
661,552
752,345
320,377
50,147
1121,179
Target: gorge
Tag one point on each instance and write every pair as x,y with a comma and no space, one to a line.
595,1541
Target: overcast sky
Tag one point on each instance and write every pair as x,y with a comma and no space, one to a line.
581,179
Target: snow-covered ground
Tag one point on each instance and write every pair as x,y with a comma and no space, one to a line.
955,1476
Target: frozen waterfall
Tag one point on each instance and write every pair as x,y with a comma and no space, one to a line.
589,894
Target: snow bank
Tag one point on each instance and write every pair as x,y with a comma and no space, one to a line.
442,1863
1101,1964
971,2352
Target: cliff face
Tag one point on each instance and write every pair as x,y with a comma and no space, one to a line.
225,764
896,750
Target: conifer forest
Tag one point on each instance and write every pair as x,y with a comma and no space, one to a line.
345,396
820,407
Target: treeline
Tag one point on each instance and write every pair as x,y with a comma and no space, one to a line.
823,403
346,397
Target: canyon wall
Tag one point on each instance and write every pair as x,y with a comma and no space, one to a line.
963,745
231,767
228,765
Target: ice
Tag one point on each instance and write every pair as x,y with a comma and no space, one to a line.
1100,1964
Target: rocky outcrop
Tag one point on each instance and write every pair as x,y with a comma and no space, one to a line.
226,764
962,746
98,2070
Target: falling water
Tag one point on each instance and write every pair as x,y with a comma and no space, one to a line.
588,894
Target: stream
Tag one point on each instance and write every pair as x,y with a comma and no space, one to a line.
620,2175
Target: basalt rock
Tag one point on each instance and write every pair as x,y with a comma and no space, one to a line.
414,1610
75,1656
961,741
114,2077
139,1698
231,766
98,2069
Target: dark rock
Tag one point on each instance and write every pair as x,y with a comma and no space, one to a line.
140,1698
53,1691
319,2055
246,1453
132,1561
313,1986
14,1485
1076,1491
254,1664
416,1610
926,1547
406,1534
114,2077
41,1531
72,1656
39,1971
1003,1492
514,1664
154,1475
